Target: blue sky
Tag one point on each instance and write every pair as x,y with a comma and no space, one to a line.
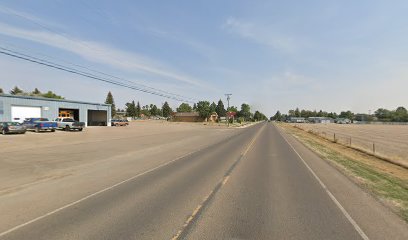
330,55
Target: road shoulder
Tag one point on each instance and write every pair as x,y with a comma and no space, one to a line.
376,220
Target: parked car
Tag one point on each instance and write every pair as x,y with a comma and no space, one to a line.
69,124
12,127
39,124
119,122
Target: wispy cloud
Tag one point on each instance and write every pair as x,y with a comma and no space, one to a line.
99,53
260,34
201,48
24,15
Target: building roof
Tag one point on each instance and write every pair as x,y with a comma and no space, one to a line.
50,99
187,114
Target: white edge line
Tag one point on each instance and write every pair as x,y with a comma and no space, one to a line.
94,194
338,204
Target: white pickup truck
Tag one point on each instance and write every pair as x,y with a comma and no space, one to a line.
69,124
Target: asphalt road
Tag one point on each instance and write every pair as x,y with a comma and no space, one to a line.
256,184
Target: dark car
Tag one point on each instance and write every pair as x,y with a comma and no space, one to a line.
12,127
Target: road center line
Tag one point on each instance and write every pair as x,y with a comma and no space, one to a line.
332,197
99,192
184,229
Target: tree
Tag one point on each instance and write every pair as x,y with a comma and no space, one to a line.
195,107
167,111
232,109
203,108
277,116
297,113
153,110
383,114
245,112
138,109
36,92
220,109
258,116
1,91
131,109
50,94
184,107
348,115
400,115
111,101
16,91
213,108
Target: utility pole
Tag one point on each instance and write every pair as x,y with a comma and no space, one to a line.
228,100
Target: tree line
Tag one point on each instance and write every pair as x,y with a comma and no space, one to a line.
382,115
204,108
35,93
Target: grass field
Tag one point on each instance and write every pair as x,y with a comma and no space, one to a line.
387,141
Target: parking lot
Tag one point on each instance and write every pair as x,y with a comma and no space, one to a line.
65,165
37,157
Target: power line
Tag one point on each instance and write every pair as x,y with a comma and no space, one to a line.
89,47
96,71
29,58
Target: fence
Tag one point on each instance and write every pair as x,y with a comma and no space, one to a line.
388,152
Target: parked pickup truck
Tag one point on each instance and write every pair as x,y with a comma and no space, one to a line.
39,124
119,122
69,124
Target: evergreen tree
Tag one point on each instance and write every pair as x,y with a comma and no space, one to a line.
138,109
111,101
278,116
36,91
297,113
195,107
167,111
220,109
16,91
1,91
213,108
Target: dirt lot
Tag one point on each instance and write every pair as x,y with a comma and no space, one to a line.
34,158
388,141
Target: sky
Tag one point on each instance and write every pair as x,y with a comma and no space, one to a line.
273,55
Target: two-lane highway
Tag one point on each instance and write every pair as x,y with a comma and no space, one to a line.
253,185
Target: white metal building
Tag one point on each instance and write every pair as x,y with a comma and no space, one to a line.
17,108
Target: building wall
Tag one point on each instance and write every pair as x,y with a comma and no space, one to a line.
188,119
49,107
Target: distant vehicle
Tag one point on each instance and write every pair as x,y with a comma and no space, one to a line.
67,124
343,121
119,122
39,124
12,127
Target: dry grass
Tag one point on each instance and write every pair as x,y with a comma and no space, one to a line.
386,141
386,181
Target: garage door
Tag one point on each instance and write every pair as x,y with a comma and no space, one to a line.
19,113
